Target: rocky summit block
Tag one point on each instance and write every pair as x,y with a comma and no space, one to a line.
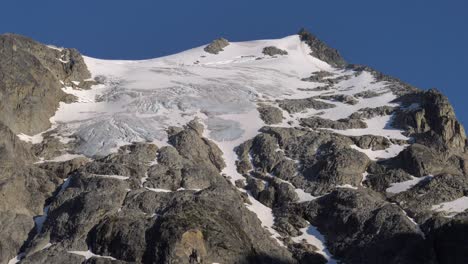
321,51
217,46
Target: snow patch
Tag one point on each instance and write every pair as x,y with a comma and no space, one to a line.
117,177
303,196
265,215
406,185
313,237
387,153
452,208
88,254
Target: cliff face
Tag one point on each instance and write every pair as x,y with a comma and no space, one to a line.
272,151
31,76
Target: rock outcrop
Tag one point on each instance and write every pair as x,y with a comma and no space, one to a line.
273,51
217,46
321,51
30,82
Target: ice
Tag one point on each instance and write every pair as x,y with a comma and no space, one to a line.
224,130
452,208
406,185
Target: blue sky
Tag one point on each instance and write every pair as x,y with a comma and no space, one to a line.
423,42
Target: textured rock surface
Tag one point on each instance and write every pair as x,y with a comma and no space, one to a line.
30,85
298,105
24,189
272,51
270,114
380,231
341,124
217,46
432,121
321,51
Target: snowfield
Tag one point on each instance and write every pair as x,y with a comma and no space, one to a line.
137,100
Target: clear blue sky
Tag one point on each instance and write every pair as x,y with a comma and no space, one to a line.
423,42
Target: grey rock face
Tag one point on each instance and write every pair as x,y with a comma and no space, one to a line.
298,105
380,180
216,46
271,192
420,160
342,124
30,85
325,77
367,113
321,160
380,231
24,189
449,238
441,188
433,123
12,149
340,167
273,51
367,94
321,51
270,114
372,142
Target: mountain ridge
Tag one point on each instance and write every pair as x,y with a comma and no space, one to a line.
269,151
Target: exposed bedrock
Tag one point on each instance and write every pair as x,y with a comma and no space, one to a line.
314,161
419,200
360,227
24,189
449,238
321,51
30,88
217,46
299,105
343,98
430,119
270,114
315,122
273,51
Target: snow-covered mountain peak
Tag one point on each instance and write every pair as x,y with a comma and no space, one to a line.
138,100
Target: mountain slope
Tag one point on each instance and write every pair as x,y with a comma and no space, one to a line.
268,151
